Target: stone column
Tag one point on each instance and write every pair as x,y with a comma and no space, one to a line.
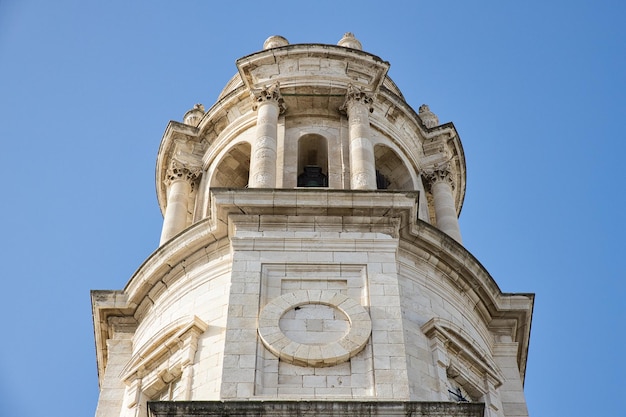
263,158
180,180
441,185
358,106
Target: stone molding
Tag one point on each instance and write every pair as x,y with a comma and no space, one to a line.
121,327
315,62
314,408
328,354
461,358
415,236
162,359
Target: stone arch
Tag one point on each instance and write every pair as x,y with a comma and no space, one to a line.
312,161
391,172
234,168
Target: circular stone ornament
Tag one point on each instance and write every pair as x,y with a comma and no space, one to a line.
317,355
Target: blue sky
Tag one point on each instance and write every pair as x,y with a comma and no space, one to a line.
536,90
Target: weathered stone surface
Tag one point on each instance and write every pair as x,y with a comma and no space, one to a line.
345,291
313,408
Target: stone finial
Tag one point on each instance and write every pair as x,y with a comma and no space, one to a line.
193,116
349,41
275,41
429,118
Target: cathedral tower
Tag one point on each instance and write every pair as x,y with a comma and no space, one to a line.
311,259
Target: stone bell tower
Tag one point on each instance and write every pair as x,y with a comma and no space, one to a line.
311,259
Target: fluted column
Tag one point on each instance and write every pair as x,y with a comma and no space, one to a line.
263,156
358,106
441,183
180,180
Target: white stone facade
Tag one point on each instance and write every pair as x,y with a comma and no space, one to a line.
311,251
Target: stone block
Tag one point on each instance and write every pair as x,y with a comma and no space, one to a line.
314,381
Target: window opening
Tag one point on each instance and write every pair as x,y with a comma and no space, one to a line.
312,161
170,391
312,177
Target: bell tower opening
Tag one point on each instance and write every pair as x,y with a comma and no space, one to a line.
234,169
312,161
391,173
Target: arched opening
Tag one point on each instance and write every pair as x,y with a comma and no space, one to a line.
391,173
312,161
234,168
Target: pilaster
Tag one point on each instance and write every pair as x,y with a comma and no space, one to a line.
512,389
119,351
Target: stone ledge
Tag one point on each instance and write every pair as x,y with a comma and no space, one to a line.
313,408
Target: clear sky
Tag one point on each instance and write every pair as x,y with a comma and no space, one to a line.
535,89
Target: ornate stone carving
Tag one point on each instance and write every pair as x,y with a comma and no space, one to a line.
360,180
262,179
270,93
440,172
356,95
429,118
264,153
178,171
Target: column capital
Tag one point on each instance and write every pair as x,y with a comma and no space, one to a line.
182,171
269,93
438,173
355,95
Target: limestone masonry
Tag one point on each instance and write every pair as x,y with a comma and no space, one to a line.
311,260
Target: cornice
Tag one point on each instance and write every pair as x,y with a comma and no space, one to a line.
292,63
508,311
